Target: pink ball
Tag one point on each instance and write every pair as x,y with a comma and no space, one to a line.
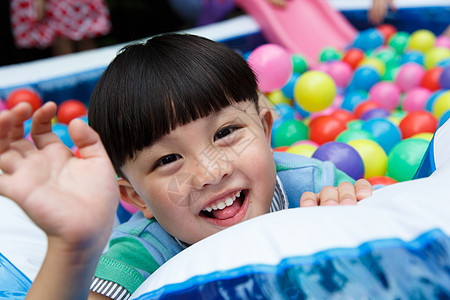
306,142
409,76
2,104
442,41
416,99
386,93
341,72
128,207
272,65
323,67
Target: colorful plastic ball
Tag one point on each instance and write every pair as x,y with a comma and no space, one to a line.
2,105
285,111
62,132
418,122
24,95
69,110
435,55
355,124
421,40
302,149
430,79
272,65
329,54
375,113
399,41
325,129
387,55
375,62
288,88
442,104
364,78
353,57
427,136
341,72
373,156
368,39
405,158
381,180
365,107
387,94
387,30
281,149
386,133
353,99
410,75
412,56
277,97
416,99
314,91
444,79
391,73
344,157
299,63
342,115
289,132
300,111
442,41
352,134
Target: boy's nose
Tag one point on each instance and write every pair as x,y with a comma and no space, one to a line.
209,172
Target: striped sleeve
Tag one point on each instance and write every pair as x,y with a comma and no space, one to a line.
109,289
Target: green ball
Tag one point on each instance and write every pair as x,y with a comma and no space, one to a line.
354,134
399,41
355,124
329,54
289,132
387,55
299,62
391,73
404,159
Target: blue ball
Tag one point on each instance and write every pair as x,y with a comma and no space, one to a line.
412,56
62,131
303,113
285,111
288,88
386,133
430,102
444,117
364,78
368,39
353,99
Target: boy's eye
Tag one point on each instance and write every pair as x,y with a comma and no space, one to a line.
167,160
224,132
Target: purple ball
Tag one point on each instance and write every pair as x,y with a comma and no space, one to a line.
344,157
444,79
375,113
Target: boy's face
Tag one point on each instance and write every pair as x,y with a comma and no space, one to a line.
207,175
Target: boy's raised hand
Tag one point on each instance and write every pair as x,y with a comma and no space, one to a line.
344,194
73,200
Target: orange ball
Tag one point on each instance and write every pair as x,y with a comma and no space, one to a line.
23,95
353,57
69,110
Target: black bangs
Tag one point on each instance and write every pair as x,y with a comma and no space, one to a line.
150,89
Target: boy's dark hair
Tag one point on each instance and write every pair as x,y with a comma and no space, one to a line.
150,89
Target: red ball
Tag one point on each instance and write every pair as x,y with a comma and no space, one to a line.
23,95
69,110
365,107
353,57
342,115
324,129
418,122
384,180
430,79
387,30
281,148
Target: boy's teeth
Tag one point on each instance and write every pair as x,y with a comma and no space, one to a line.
221,204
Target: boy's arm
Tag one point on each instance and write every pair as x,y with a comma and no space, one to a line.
73,200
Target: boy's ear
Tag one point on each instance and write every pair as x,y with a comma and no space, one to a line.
266,117
129,195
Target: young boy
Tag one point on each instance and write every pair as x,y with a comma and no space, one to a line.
180,120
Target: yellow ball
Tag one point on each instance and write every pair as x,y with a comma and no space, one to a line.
442,104
277,97
375,62
427,136
373,156
422,40
435,55
302,149
314,91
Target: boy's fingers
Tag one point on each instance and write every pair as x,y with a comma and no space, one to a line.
309,199
346,192
329,196
6,123
41,126
8,161
363,189
21,113
86,139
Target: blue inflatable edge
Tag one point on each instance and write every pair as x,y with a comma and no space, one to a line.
415,245
11,276
427,165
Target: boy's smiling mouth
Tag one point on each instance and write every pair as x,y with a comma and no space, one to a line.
227,211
